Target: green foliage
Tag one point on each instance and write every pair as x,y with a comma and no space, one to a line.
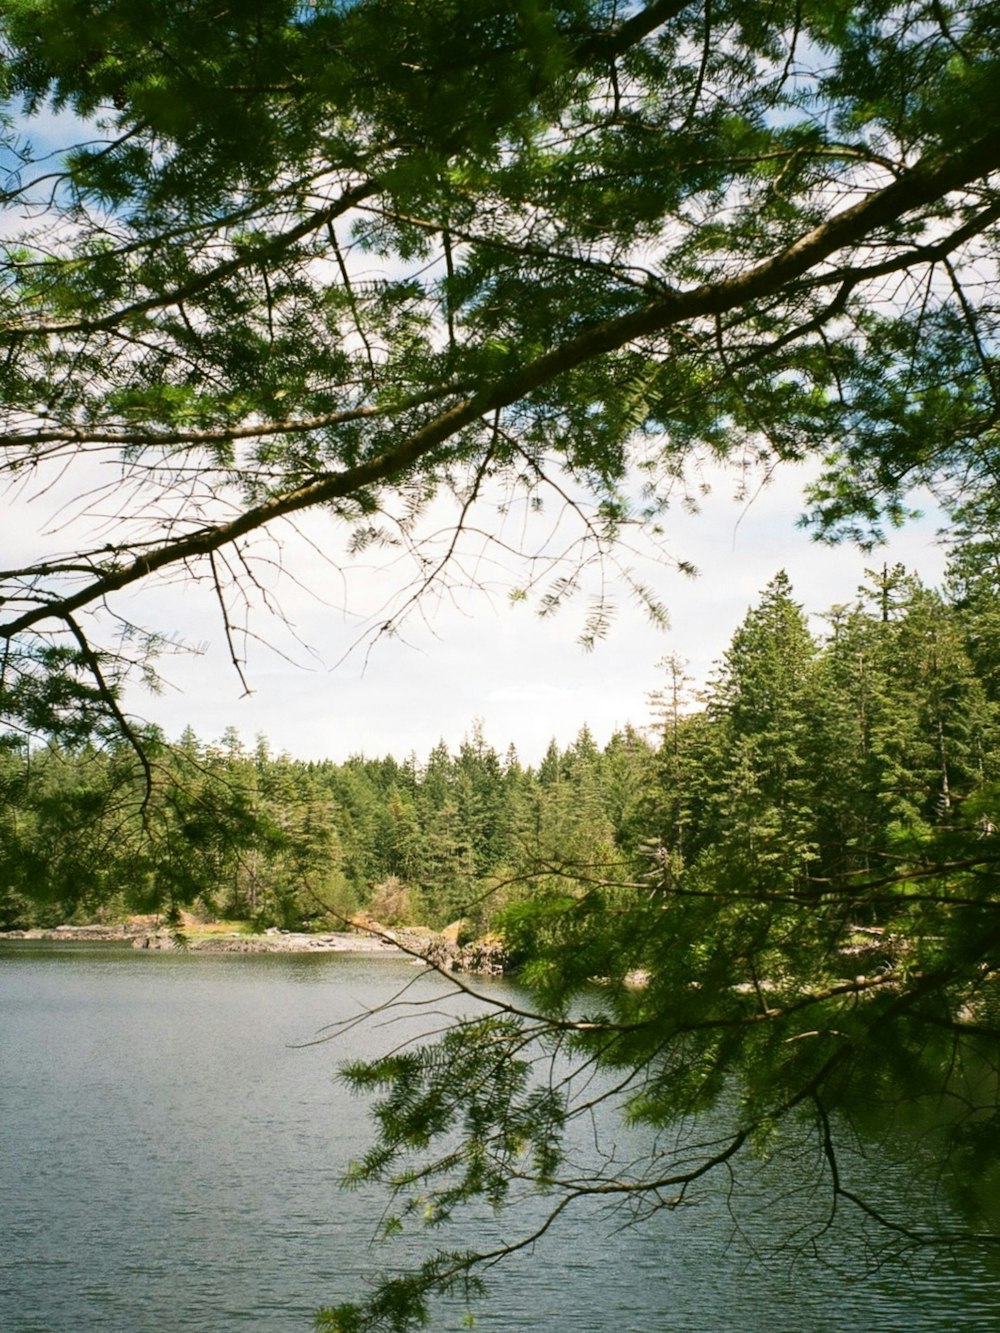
365,258
810,954
359,257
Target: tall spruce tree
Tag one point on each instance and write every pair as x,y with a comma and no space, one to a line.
758,772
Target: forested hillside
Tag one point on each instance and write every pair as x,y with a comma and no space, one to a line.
810,760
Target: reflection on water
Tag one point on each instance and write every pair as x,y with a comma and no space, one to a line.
170,1152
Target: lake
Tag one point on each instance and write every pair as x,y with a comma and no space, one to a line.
172,1138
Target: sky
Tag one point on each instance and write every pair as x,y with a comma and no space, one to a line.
323,692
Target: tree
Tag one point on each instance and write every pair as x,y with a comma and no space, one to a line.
973,577
756,770
606,242
350,257
804,980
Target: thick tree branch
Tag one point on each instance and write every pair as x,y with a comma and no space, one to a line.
623,36
926,182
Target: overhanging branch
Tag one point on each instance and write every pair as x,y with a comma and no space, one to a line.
926,182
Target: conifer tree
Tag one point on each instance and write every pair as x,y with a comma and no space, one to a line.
758,770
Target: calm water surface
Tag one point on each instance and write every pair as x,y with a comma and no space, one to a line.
170,1154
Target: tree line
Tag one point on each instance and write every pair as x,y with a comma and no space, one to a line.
808,759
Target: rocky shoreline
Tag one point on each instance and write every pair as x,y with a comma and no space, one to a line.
482,957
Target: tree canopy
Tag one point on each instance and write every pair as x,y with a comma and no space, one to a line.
353,257
376,258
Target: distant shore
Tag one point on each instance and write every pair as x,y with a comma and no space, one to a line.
145,936
485,957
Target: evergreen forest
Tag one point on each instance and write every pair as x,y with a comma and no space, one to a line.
810,761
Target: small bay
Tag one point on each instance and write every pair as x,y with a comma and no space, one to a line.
172,1138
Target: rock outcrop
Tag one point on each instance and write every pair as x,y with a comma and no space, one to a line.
485,957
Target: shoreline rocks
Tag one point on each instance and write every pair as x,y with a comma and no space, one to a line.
485,957
146,935
279,942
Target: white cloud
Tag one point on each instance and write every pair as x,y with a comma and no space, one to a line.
531,692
